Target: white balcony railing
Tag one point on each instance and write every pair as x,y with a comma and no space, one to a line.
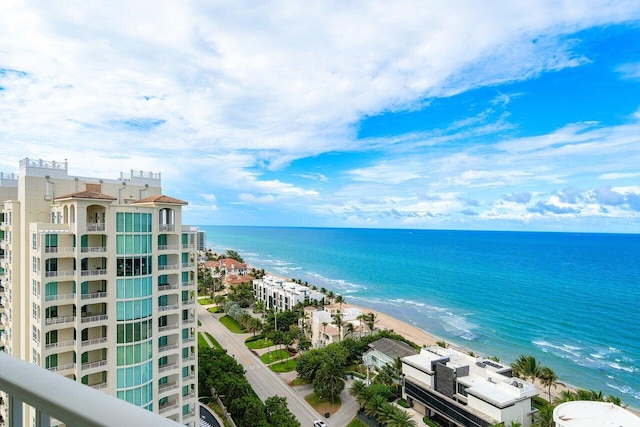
168,307
167,247
167,287
92,226
94,249
98,272
167,328
166,227
168,267
94,318
91,365
94,295
59,297
61,273
60,344
93,342
66,400
59,320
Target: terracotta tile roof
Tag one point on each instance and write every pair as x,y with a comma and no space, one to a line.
161,199
86,194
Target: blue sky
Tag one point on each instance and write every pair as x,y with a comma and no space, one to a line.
462,115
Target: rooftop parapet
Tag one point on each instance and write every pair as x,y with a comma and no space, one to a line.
31,167
8,179
141,177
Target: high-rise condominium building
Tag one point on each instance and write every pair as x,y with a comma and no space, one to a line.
98,282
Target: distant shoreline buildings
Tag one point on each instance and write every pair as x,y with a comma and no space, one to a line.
98,283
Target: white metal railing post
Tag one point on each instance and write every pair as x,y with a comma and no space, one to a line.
15,412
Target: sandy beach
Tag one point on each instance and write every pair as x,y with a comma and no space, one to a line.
424,338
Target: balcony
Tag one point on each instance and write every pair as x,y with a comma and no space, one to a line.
97,272
94,249
61,368
59,297
167,287
93,365
60,345
59,320
96,341
190,301
166,227
188,320
168,367
96,318
94,295
168,387
188,264
189,283
168,328
168,267
168,247
62,273
66,400
96,226
59,250
168,307
167,347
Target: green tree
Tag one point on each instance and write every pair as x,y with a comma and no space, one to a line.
340,300
329,380
248,411
337,320
278,414
370,320
401,418
548,378
233,255
526,367
373,406
544,417
358,390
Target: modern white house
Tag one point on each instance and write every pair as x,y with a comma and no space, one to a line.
281,294
324,329
582,413
464,390
98,282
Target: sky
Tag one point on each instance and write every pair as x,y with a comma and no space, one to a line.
493,115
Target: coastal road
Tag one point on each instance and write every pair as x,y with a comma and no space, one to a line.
264,381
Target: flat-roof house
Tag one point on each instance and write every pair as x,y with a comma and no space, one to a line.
464,390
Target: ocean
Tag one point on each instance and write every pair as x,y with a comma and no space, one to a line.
569,299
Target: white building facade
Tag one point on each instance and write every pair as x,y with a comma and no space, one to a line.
465,390
98,284
280,294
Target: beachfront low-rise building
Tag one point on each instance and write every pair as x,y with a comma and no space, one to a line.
324,328
386,351
281,294
463,390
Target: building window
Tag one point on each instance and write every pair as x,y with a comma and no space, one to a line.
35,334
35,311
35,288
34,264
34,241
462,390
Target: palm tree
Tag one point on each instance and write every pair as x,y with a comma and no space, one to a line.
565,396
387,410
357,390
613,399
340,301
350,329
337,320
373,406
329,378
548,378
361,319
544,417
330,295
527,367
401,418
371,319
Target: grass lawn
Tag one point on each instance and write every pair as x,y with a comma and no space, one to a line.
274,356
202,343
260,342
286,366
213,309
205,301
298,381
232,325
216,344
323,405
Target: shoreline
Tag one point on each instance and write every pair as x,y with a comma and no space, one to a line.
424,338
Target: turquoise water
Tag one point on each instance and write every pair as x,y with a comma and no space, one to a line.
571,300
